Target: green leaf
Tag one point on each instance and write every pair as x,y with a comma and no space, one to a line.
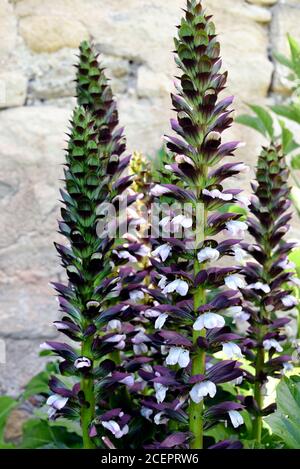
7,404
294,256
295,163
283,60
252,122
265,118
285,422
295,54
287,139
42,434
291,112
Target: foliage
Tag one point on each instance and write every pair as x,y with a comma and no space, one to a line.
285,422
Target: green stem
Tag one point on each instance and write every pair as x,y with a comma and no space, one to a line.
198,367
87,387
257,425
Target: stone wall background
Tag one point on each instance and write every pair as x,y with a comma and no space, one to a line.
38,44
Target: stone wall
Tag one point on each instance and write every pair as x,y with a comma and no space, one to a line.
38,45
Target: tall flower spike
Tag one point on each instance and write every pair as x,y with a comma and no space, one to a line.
193,293
93,176
269,274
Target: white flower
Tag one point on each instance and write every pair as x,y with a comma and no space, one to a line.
165,221
236,228
234,282
125,255
231,350
145,412
287,367
158,190
216,194
180,286
184,159
289,300
237,381
160,392
128,381
119,339
236,418
232,310
178,355
183,221
239,254
163,251
82,362
286,264
143,251
201,390
116,338
272,343
295,281
56,401
163,282
114,325
208,321
241,167
115,428
151,313
45,346
208,254
243,200
160,419
241,321
160,321
260,286
136,295
140,349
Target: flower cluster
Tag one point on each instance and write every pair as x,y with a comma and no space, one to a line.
95,303
193,294
269,276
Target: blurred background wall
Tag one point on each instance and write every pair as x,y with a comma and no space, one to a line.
38,45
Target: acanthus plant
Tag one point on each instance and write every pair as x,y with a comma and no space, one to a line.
192,294
95,302
268,297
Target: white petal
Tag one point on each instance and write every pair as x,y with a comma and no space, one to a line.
243,199
173,357
136,295
232,350
209,321
112,426
236,418
163,281
128,381
183,221
234,281
162,251
145,412
201,390
216,194
272,343
199,323
114,324
289,301
208,254
160,393
184,358
160,321
158,190
239,254
182,287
